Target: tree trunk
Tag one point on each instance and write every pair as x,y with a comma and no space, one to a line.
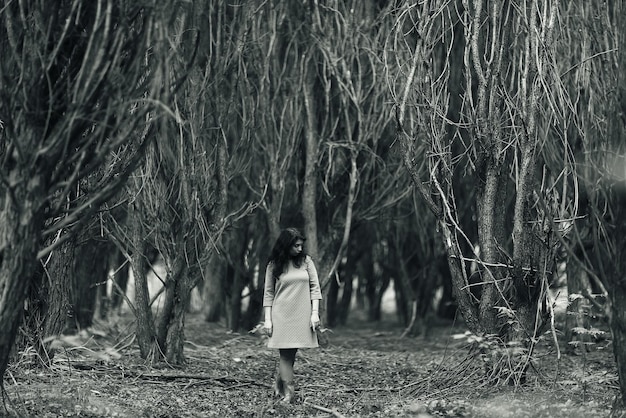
34,313
255,307
174,275
375,291
59,313
331,303
257,288
345,302
235,300
490,231
406,293
171,328
309,189
143,313
176,328
447,305
90,274
21,221
213,289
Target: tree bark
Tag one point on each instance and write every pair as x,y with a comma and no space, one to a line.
175,270
90,273
213,289
176,329
21,220
171,328
145,323
234,306
60,314
309,189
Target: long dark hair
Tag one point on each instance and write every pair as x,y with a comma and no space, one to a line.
280,256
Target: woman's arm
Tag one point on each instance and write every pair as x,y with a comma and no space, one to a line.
316,294
268,290
268,299
314,283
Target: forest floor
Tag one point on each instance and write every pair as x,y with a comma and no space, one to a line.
365,370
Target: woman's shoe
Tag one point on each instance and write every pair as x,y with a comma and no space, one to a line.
289,392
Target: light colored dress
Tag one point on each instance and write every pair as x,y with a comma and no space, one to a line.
290,298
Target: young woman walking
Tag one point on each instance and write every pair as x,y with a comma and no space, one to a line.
291,305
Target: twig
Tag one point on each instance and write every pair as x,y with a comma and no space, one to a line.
201,377
321,408
413,318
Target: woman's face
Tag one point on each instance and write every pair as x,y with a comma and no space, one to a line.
296,248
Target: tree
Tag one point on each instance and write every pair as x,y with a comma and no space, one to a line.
80,82
593,97
508,62
344,128
181,191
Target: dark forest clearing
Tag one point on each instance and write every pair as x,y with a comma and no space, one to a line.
366,370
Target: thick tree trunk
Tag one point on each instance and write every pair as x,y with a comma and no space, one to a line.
257,288
90,274
175,340
143,313
236,302
20,229
34,314
169,301
213,289
339,297
227,295
408,299
176,330
490,232
171,327
57,280
309,189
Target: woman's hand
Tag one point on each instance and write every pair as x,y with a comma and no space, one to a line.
315,320
267,326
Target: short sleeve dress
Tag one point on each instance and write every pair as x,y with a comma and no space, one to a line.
290,298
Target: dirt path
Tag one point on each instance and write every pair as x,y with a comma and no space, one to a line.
365,371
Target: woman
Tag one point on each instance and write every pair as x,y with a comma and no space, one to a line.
291,304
